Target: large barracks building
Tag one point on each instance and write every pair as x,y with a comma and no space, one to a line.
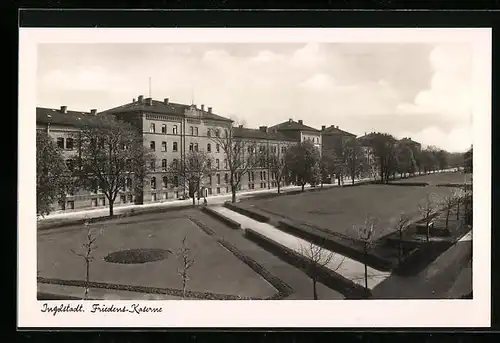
171,130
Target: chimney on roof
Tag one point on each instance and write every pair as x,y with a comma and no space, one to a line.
365,133
337,126
64,109
165,101
240,126
290,120
209,109
300,122
263,128
93,111
133,99
202,108
149,101
323,127
140,98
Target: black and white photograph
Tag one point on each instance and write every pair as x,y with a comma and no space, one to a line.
255,168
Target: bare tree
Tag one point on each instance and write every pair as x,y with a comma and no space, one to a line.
52,174
187,260
193,171
242,155
401,226
448,202
317,258
302,160
88,247
354,157
277,166
427,210
365,234
109,151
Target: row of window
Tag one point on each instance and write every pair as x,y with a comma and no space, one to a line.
192,147
175,182
69,143
311,139
193,130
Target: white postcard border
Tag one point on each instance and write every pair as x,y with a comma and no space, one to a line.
193,313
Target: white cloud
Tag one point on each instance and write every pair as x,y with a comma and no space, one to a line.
458,139
89,78
450,90
310,56
318,82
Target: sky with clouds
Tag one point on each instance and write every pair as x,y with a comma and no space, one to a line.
412,90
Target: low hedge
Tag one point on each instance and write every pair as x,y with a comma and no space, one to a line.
202,226
349,248
51,296
228,221
421,256
418,184
144,289
455,185
247,212
284,290
133,212
326,276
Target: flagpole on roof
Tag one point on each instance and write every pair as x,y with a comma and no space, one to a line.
150,86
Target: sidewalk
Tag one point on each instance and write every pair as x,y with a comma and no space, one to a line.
212,200
350,269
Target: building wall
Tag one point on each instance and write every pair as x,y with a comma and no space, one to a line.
258,178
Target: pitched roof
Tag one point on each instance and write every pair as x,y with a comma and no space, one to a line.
408,140
335,130
366,136
291,125
55,116
241,132
161,107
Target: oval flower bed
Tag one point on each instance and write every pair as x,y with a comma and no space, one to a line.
133,256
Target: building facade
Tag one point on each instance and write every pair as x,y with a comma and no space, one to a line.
267,141
62,126
298,132
170,131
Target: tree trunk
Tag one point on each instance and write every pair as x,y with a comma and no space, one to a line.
303,186
194,201
447,217
458,209
400,247
427,228
352,180
366,266
279,187
111,204
315,293
233,195
87,279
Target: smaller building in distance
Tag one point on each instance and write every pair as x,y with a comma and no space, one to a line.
272,142
299,132
334,138
415,146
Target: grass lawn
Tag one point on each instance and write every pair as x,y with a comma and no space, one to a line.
339,209
215,269
438,178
